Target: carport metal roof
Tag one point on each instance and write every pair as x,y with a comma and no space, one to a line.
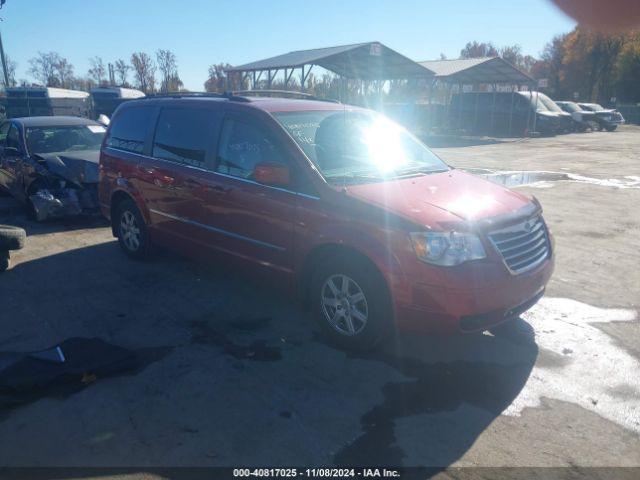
364,61
477,70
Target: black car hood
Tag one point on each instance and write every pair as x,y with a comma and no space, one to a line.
78,167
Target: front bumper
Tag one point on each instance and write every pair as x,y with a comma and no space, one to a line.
62,202
481,305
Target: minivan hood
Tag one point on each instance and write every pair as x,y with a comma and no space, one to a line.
441,200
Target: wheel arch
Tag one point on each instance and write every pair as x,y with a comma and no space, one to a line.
117,197
319,254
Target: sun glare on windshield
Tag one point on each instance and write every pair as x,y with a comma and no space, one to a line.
383,140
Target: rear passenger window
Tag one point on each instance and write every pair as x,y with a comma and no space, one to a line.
243,146
183,135
130,129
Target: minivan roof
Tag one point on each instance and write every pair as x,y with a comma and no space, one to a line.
268,104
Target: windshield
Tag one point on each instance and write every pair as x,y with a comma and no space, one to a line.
64,138
358,145
569,107
548,103
541,102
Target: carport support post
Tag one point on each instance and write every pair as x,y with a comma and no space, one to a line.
535,113
458,124
475,119
493,108
448,96
430,86
511,109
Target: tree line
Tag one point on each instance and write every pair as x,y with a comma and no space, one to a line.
142,71
581,64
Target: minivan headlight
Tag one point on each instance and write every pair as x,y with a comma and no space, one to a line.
447,248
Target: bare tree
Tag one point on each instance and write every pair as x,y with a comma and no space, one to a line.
478,49
43,68
122,72
11,66
168,70
97,71
218,80
144,70
64,72
83,83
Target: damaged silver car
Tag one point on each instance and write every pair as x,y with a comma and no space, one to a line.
51,164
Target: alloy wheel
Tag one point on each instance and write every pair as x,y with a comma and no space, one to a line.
344,305
130,230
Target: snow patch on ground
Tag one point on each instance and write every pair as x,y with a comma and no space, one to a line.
594,371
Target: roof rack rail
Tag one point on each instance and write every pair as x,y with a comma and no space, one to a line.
227,95
282,93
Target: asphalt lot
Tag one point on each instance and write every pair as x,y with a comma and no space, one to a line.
236,374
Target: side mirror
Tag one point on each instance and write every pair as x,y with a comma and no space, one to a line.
103,119
274,174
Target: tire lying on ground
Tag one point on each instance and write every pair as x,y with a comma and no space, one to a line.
11,238
4,260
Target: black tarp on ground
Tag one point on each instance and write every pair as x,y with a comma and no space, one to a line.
74,361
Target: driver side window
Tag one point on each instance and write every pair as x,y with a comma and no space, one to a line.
243,146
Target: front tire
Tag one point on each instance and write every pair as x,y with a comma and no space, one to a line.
351,302
610,128
131,231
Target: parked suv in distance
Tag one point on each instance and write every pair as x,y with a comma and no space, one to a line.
607,118
338,203
507,113
583,119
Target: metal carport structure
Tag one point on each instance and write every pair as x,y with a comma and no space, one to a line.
488,71
370,61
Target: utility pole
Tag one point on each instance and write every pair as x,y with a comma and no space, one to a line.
5,73
112,75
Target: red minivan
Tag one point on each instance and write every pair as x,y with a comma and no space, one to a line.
338,203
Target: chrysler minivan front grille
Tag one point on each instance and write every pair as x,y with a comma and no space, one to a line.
523,246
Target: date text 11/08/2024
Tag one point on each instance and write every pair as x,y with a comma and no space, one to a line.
316,472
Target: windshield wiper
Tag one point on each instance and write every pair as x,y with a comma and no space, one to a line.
355,177
418,171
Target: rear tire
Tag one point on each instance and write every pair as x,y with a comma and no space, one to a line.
131,230
351,303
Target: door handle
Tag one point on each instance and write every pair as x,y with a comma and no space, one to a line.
147,170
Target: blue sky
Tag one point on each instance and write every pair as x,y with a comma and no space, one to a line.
202,32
